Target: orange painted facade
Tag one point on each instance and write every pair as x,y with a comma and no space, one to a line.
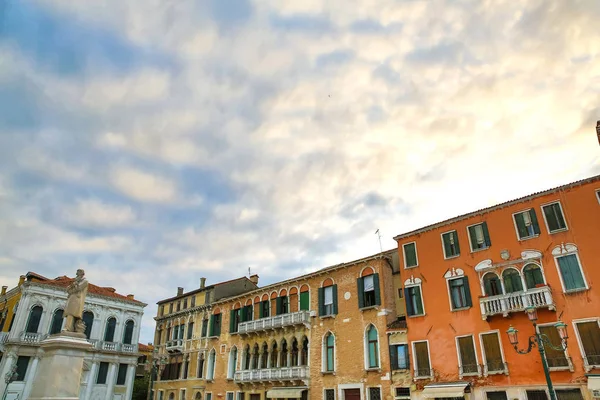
496,304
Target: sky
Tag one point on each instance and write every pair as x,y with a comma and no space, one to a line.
155,142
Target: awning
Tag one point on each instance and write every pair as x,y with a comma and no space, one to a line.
286,393
445,389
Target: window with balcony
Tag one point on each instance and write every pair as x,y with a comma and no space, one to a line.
22,364
450,244
210,374
491,284
265,308
200,366
33,323
372,347
282,305
122,374
479,236
467,356
57,321
460,294
274,354
422,363
215,325
414,300
109,332
295,352
235,317
247,313
283,359
328,298
255,356
247,357
264,357
190,330
526,224
399,358
231,365
128,335
589,340
410,255
329,353
556,359
492,353
512,280
304,351
304,298
533,276
553,215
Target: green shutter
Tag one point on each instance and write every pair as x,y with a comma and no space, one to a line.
456,243
260,310
521,228
278,306
394,357
446,241
410,252
467,291
559,216
212,325
408,301
534,222
472,237
321,301
304,301
361,292
419,300
376,287
335,300
486,234
570,271
232,322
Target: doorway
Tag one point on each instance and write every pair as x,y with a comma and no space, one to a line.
351,394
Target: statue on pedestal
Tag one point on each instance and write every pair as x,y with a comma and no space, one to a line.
77,291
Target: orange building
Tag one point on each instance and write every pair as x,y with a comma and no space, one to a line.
468,279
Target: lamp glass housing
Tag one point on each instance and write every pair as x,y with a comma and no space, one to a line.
513,335
561,327
531,313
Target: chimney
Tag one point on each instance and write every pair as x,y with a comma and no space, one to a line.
110,289
254,279
130,297
3,290
202,282
179,291
21,279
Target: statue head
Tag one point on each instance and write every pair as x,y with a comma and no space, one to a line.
80,273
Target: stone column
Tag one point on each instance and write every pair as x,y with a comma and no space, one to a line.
110,381
8,360
31,372
21,317
91,380
129,382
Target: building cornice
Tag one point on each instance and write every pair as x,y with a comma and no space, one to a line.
136,303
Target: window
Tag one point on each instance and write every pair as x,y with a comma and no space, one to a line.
122,374
570,272
450,243
536,395
512,280
491,284
274,355
568,394
264,358
589,339
492,353
500,395
211,365
208,396
399,356
264,309
109,333
328,300
467,357
215,325
234,320
460,295
479,236
182,394
526,224
229,396
554,217
186,366
368,291
179,305
22,364
284,354
402,393
57,321
372,347
410,255
200,368
329,394
295,352
88,320
193,301
414,300
422,365
374,393
281,305
190,330
246,314
184,304
533,276
255,357
304,298
204,327
102,373
304,352
329,352
240,395
35,316
554,358
128,335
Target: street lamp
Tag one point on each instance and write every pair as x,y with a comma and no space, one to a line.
155,366
540,340
9,378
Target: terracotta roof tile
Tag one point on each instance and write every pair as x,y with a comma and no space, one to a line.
64,281
145,348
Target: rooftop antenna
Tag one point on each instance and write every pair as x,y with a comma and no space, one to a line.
249,272
379,238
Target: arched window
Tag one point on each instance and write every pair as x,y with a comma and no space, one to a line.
284,354
247,357
533,275
294,352
57,320
232,362
210,375
329,364
304,352
35,315
88,320
128,335
109,333
274,355
255,356
372,347
265,356
200,368
512,280
491,284
172,396
198,396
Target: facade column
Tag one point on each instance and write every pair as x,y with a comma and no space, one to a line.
110,382
45,321
8,360
130,377
91,380
31,376
21,317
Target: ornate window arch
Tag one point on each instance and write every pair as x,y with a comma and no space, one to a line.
492,285
328,352
371,347
512,280
57,321
109,330
128,332
35,316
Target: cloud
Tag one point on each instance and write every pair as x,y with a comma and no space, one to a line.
96,213
143,186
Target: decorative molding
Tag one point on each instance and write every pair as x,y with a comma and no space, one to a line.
412,281
564,249
505,254
453,273
483,265
531,254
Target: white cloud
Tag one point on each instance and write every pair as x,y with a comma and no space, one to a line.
143,186
96,213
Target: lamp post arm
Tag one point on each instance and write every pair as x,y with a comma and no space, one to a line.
547,342
531,344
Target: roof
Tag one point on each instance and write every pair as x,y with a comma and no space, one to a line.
35,275
64,281
204,288
397,325
145,347
497,206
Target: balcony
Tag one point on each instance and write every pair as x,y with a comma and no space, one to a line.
272,375
31,338
516,302
175,346
101,345
274,322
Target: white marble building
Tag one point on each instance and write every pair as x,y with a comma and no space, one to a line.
109,368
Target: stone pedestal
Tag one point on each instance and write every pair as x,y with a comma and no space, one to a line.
59,372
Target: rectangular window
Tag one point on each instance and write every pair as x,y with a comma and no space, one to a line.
329,394
215,326
304,301
193,301
460,294
589,336
554,217
414,300
492,352
179,306
170,308
190,330
368,291
554,358
598,195
229,396
451,246
402,393
265,308
499,395
184,304
468,359
281,305
102,373
182,394
240,395
234,320
399,356
208,396
22,364
479,236
328,300
374,393
569,394
536,395
422,366
204,327
122,374
410,255
526,223
570,271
